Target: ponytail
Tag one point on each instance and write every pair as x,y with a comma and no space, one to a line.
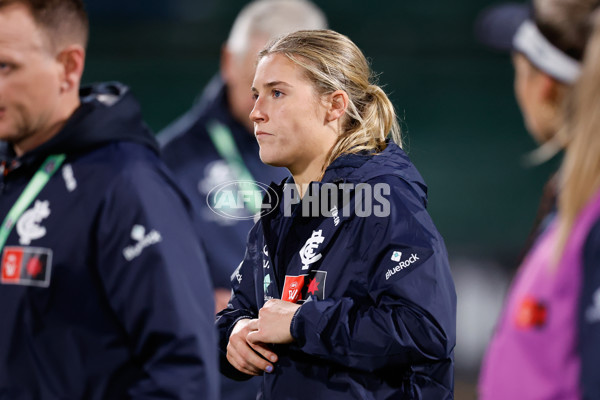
370,121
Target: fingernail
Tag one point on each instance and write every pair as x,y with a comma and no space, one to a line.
273,358
269,368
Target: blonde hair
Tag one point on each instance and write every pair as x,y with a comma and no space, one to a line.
331,61
581,167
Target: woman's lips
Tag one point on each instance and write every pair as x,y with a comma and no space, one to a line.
262,133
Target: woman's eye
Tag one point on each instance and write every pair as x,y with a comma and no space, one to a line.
254,96
277,93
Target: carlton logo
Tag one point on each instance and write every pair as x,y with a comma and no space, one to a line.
242,200
28,226
307,252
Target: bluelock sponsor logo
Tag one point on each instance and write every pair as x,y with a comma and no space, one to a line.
143,240
401,265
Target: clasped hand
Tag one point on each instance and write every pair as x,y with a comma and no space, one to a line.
251,337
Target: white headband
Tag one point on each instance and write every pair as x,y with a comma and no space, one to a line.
529,41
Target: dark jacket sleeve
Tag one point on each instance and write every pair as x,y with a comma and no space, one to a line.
410,314
589,317
156,280
242,304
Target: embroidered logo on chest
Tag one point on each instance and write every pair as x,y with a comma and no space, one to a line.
28,226
307,252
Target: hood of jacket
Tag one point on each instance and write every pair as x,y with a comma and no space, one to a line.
358,168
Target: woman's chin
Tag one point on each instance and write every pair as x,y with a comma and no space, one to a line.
271,159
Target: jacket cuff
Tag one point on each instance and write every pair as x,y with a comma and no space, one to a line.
293,328
305,323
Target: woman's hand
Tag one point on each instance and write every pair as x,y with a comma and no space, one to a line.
243,355
274,323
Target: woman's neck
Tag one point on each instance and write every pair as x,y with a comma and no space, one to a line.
310,173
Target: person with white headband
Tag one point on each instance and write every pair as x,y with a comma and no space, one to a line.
539,349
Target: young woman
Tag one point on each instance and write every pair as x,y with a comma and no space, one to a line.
546,345
346,293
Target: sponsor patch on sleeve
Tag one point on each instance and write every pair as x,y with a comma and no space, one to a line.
28,266
399,262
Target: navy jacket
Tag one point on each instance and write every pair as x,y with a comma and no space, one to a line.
104,286
589,316
198,168
378,319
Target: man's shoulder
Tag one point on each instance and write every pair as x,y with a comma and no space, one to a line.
117,159
125,170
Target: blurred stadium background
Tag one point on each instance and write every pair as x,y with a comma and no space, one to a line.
462,125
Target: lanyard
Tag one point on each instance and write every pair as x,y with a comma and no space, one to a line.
223,140
35,186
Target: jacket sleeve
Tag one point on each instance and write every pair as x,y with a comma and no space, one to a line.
156,280
242,304
589,317
409,314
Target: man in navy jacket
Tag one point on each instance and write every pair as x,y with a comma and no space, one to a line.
102,282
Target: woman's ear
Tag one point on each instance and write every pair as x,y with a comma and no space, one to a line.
337,105
552,92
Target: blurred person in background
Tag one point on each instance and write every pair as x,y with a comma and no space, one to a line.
102,283
543,75
545,345
346,302
213,143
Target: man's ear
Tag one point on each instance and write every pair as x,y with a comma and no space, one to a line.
72,61
337,105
